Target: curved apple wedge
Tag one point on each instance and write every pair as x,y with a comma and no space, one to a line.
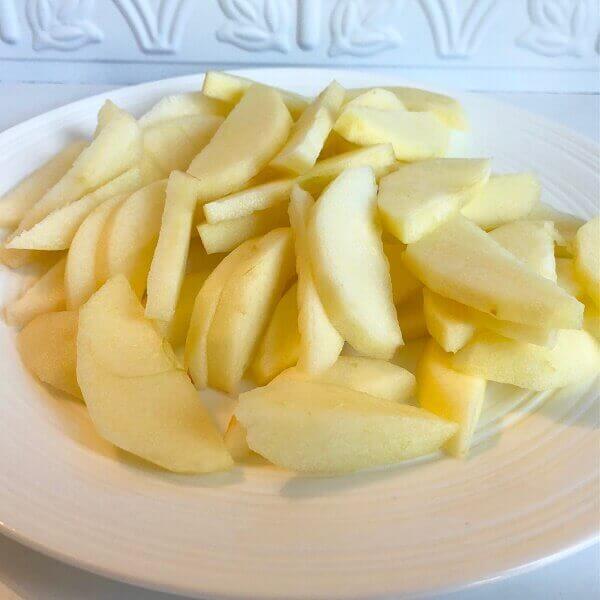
320,428
587,258
159,416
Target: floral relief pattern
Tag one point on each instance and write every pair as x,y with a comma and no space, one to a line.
256,24
362,28
10,31
62,24
558,27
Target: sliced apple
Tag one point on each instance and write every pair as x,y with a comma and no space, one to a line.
280,345
251,135
409,355
320,428
504,198
309,133
566,278
591,320
587,258
417,197
183,105
379,98
461,262
245,305
350,268
411,318
231,88
413,135
235,440
46,295
450,395
17,201
380,158
404,284
566,225
170,256
226,235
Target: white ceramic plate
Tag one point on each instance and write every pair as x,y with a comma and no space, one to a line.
527,495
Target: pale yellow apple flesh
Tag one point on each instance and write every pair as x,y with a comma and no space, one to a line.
404,284
379,98
587,258
183,105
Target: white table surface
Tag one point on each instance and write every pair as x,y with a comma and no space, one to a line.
28,575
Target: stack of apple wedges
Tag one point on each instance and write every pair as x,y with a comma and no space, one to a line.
244,233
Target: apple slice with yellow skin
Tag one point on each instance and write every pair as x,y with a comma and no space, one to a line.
231,89
250,136
320,342
17,201
157,416
450,395
417,197
587,258
505,198
404,284
319,428
461,262
47,294
183,105
245,305
80,275
350,268
48,348
309,133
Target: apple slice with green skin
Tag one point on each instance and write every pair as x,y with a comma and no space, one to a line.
47,294
505,198
587,258
413,135
157,416
461,262
450,395
320,342
380,158
17,201
171,252
279,347
48,348
319,428
309,133
205,307
251,135
417,197
81,268
350,268
245,305
183,105
231,89
574,357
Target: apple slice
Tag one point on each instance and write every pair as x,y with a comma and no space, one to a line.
574,357
47,294
461,262
417,197
566,226
80,274
379,98
183,105
591,320
450,395
350,268
158,416
245,305
320,428
235,440
504,198
16,202
413,135
587,258
279,347
309,133
380,158
170,256
320,342
251,135
231,88
411,318
567,279
404,284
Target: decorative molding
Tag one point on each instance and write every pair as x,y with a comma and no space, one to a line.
156,31
10,30
256,25
309,16
64,25
362,28
457,26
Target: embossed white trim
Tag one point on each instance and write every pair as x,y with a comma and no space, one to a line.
362,28
10,31
62,24
256,24
309,16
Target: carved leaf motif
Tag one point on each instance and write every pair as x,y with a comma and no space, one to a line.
62,24
256,25
361,29
558,27
10,31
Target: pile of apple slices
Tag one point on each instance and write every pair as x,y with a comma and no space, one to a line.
246,232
